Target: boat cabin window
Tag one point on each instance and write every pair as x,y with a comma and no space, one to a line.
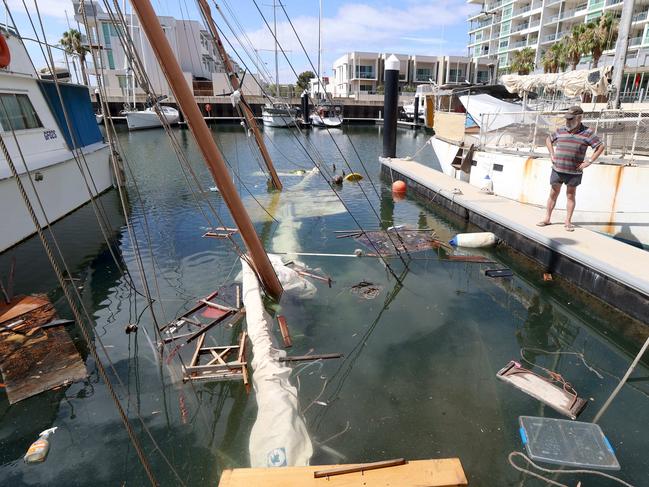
17,112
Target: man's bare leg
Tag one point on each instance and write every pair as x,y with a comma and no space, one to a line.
555,189
571,192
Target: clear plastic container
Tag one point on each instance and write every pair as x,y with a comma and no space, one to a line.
565,442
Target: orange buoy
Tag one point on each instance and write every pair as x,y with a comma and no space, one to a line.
399,187
5,55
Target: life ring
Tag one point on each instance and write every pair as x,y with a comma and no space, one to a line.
208,107
5,55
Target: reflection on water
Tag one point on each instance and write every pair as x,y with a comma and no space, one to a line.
418,375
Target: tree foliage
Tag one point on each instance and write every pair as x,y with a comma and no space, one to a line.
72,42
523,61
303,80
590,39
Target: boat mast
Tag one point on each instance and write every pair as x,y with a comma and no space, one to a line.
319,46
621,50
234,81
207,145
275,36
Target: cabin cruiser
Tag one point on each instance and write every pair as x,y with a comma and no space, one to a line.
35,130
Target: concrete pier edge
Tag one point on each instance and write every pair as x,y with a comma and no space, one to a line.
626,295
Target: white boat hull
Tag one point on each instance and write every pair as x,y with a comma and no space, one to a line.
61,190
271,120
148,119
331,122
611,198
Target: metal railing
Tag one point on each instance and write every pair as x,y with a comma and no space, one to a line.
624,132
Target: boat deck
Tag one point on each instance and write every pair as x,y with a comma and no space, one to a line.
607,268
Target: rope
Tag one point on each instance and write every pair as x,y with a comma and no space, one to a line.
556,471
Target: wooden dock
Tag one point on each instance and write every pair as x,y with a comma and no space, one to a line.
431,473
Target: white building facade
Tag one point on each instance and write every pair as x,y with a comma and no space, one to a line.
504,26
192,45
363,72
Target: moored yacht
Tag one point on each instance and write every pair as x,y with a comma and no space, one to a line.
148,118
42,147
279,114
327,115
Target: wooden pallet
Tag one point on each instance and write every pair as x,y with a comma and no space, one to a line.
431,473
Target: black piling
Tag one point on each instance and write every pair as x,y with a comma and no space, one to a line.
305,107
390,106
416,112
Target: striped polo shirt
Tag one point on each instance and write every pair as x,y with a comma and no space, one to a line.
570,147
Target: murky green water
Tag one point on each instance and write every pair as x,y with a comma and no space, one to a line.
418,375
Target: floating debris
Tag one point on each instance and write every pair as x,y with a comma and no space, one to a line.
223,363
397,240
563,399
353,177
367,290
283,328
37,355
498,273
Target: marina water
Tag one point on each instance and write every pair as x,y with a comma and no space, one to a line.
418,376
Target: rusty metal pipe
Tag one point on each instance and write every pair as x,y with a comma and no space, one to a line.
207,145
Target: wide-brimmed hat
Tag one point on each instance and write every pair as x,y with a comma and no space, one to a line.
573,112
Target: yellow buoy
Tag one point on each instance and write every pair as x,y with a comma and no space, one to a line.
353,177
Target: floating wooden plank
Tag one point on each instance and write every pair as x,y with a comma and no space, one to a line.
559,399
38,359
429,473
283,328
21,305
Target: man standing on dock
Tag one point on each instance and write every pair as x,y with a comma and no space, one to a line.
567,147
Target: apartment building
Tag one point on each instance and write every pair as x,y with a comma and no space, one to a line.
190,42
363,72
504,26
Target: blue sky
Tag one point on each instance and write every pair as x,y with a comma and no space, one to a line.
404,27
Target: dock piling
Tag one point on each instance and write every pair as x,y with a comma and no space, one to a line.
390,106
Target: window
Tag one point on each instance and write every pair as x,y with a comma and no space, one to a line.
364,71
424,73
366,88
483,76
111,59
456,75
17,112
505,28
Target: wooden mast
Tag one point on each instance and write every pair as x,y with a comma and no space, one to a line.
234,81
213,158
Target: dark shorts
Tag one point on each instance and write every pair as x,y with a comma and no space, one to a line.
565,178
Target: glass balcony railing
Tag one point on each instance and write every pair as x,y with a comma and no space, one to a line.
640,17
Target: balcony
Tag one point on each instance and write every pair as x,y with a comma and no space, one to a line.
639,17
520,27
514,45
613,2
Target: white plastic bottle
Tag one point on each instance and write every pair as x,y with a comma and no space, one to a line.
475,240
40,448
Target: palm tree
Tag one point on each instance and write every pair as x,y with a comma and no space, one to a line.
600,36
575,45
560,56
523,60
73,45
550,61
